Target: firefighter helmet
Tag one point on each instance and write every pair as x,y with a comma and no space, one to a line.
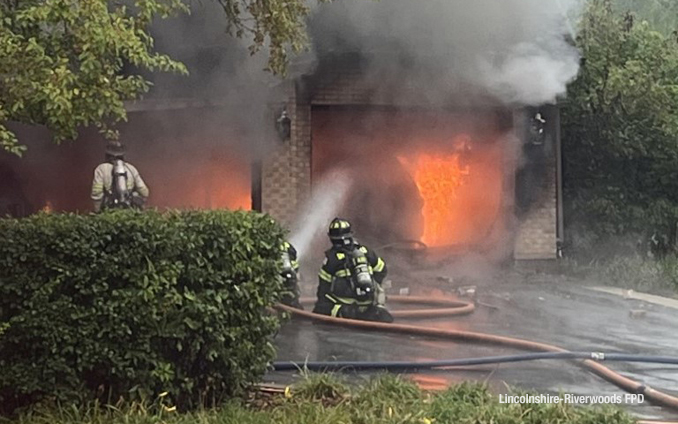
340,229
115,149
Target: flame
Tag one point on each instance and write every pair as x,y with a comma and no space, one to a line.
224,182
438,178
48,208
225,190
220,181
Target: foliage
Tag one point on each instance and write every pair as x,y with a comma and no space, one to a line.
61,62
620,130
67,64
662,14
278,24
133,304
384,400
316,386
639,273
654,275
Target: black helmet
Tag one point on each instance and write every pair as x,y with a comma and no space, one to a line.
340,232
115,149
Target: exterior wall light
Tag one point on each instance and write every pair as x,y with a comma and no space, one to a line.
284,126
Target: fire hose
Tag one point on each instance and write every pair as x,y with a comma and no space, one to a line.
450,307
410,365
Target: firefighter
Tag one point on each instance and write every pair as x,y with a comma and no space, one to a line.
117,184
290,275
349,282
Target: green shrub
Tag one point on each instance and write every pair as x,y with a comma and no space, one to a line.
657,275
135,303
633,272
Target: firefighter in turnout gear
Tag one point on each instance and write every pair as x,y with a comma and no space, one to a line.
290,276
117,184
349,282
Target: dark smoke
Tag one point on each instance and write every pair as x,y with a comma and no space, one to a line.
222,73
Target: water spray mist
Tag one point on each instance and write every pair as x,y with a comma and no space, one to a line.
327,199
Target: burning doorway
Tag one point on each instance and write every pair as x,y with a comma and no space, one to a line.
433,176
190,159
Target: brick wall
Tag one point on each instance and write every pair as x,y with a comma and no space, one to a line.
536,234
536,237
343,87
286,174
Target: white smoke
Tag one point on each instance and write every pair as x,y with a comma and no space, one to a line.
327,199
518,51
529,74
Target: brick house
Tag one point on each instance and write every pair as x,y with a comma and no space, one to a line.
328,110
531,212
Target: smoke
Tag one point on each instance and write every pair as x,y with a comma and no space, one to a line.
327,199
224,74
479,57
514,81
517,51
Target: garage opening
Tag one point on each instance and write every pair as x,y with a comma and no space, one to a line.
437,177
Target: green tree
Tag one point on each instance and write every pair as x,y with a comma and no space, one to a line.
620,128
662,14
67,64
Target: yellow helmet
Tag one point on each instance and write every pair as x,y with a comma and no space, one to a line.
340,229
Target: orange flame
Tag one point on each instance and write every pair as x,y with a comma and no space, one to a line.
48,208
437,177
221,182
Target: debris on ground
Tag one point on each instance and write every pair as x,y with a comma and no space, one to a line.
487,305
637,313
467,291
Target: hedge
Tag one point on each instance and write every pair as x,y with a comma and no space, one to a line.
131,304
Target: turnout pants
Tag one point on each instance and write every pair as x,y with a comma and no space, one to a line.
336,308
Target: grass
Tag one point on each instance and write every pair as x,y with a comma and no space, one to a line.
651,275
323,399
